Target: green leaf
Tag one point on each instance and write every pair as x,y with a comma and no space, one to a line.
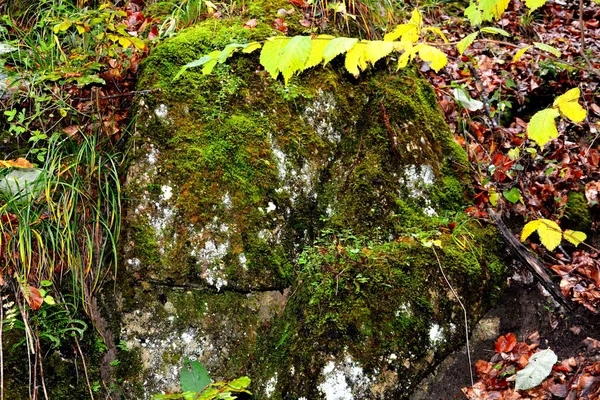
513,195
336,47
487,8
534,4
435,56
539,367
228,51
474,14
495,31
270,56
464,44
240,383
49,300
550,234
316,51
193,377
574,237
544,47
568,105
542,127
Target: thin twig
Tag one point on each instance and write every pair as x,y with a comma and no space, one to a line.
87,379
464,311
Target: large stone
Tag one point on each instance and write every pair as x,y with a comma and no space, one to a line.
281,232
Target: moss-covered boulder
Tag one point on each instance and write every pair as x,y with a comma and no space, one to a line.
287,232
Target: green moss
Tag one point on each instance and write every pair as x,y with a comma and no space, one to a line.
577,214
368,298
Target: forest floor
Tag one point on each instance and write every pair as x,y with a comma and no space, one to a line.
523,184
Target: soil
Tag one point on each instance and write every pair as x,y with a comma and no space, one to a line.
523,310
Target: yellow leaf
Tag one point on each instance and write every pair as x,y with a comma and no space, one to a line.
494,198
550,234
520,53
574,237
355,59
63,26
542,127
568,105
316,51
375,50
435,56
500,7
529,228
438,31
251,47
399,31
408,55
18,163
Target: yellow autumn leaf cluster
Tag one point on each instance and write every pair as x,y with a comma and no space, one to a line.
542,126
292,55
551,234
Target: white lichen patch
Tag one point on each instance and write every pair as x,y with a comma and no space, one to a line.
436,334
243,260
161,111
318,116
166,192
417,180
344,380
270,386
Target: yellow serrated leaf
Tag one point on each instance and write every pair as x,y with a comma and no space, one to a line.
437,31
435,56
355,59
542,127
375,50
529,228
574,237
399,31
464,44
550,234
568,105
408,55
500,7
316,50
520,53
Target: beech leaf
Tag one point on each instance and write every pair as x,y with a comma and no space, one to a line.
467,41
568,105
574,237
542,127
539,367
550,234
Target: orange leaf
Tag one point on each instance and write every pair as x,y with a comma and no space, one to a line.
505,344
35,299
